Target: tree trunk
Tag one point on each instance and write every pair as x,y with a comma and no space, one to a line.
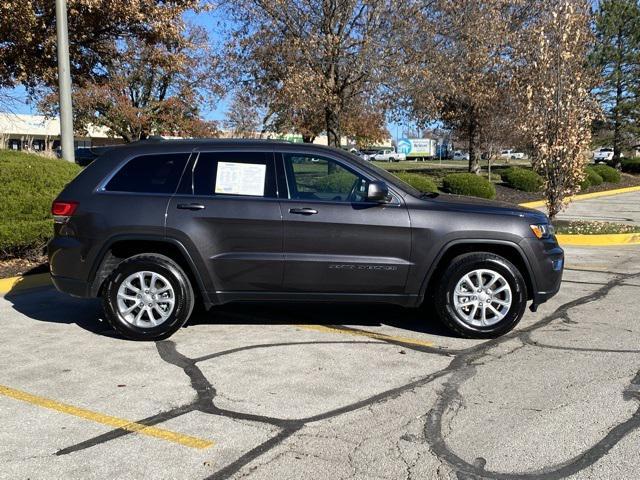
332,122
617,121
474,165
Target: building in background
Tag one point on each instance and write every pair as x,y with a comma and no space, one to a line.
37,133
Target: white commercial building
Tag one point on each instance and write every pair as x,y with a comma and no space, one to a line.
38,133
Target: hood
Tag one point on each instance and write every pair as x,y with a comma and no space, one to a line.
481,205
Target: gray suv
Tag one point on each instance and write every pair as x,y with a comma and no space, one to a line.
156,227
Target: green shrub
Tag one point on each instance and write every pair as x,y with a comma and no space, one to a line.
608,174
419,182
591,179
630,165
28,185
469,184
521,179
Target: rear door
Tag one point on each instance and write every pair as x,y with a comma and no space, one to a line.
227,210
335,241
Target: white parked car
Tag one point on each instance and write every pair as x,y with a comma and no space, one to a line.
460,155
512,155
389,156
603,154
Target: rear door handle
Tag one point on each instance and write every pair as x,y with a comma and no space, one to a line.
303,211
191,206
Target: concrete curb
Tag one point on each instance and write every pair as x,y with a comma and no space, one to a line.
20,284
604,240
586,196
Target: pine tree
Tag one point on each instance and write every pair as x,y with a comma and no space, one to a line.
617,59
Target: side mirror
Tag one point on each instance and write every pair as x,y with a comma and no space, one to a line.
377,192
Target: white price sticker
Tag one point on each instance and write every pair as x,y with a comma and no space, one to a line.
240,178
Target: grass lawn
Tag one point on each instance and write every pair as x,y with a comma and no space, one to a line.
457,165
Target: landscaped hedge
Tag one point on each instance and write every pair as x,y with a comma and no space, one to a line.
469,184
521,179
630,165
608,174
28,185
418,181
591,179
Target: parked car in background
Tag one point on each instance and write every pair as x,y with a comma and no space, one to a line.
603,154
512,155
156,226
389,156
367,154
460,155
84,155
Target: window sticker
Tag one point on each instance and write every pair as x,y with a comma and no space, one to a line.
240,178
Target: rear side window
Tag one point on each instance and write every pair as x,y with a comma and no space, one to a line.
149,174
235,173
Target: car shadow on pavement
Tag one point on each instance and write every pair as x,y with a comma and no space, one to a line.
421,320
48,305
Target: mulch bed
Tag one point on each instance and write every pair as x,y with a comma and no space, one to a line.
511,195
23,266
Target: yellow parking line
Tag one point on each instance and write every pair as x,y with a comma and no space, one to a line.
116,422
364,333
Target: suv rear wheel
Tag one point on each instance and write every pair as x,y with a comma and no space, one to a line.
481,295
148,297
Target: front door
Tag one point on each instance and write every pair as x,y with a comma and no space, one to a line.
227,211
335,241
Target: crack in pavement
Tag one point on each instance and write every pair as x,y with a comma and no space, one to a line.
460,369
464,366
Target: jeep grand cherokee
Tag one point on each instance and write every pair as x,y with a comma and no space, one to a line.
156,226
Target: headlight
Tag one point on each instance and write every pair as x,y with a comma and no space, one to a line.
543,230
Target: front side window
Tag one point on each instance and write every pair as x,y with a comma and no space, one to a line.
149,174
317,178
234,173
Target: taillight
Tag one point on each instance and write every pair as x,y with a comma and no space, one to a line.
63,209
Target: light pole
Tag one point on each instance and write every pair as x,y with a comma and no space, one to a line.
64,81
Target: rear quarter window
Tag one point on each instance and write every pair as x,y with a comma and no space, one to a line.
149,174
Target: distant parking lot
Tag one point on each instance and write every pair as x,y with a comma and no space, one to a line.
287,391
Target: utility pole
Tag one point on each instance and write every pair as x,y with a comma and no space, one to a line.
64,81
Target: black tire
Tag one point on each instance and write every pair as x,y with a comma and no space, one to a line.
460,266
183,291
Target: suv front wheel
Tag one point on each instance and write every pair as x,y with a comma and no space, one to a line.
481,295
148,297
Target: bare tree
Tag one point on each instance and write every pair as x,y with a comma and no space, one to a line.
243,117
461,57
305,58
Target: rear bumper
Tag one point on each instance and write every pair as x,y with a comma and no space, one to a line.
71,286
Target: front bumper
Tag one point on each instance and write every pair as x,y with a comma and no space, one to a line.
546,262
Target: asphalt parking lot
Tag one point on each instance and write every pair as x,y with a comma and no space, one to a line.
327,392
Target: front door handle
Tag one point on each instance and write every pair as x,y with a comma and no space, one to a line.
303,211
191,206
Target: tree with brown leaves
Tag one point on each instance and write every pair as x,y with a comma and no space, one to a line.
149,89
304,58
28,33
460,52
